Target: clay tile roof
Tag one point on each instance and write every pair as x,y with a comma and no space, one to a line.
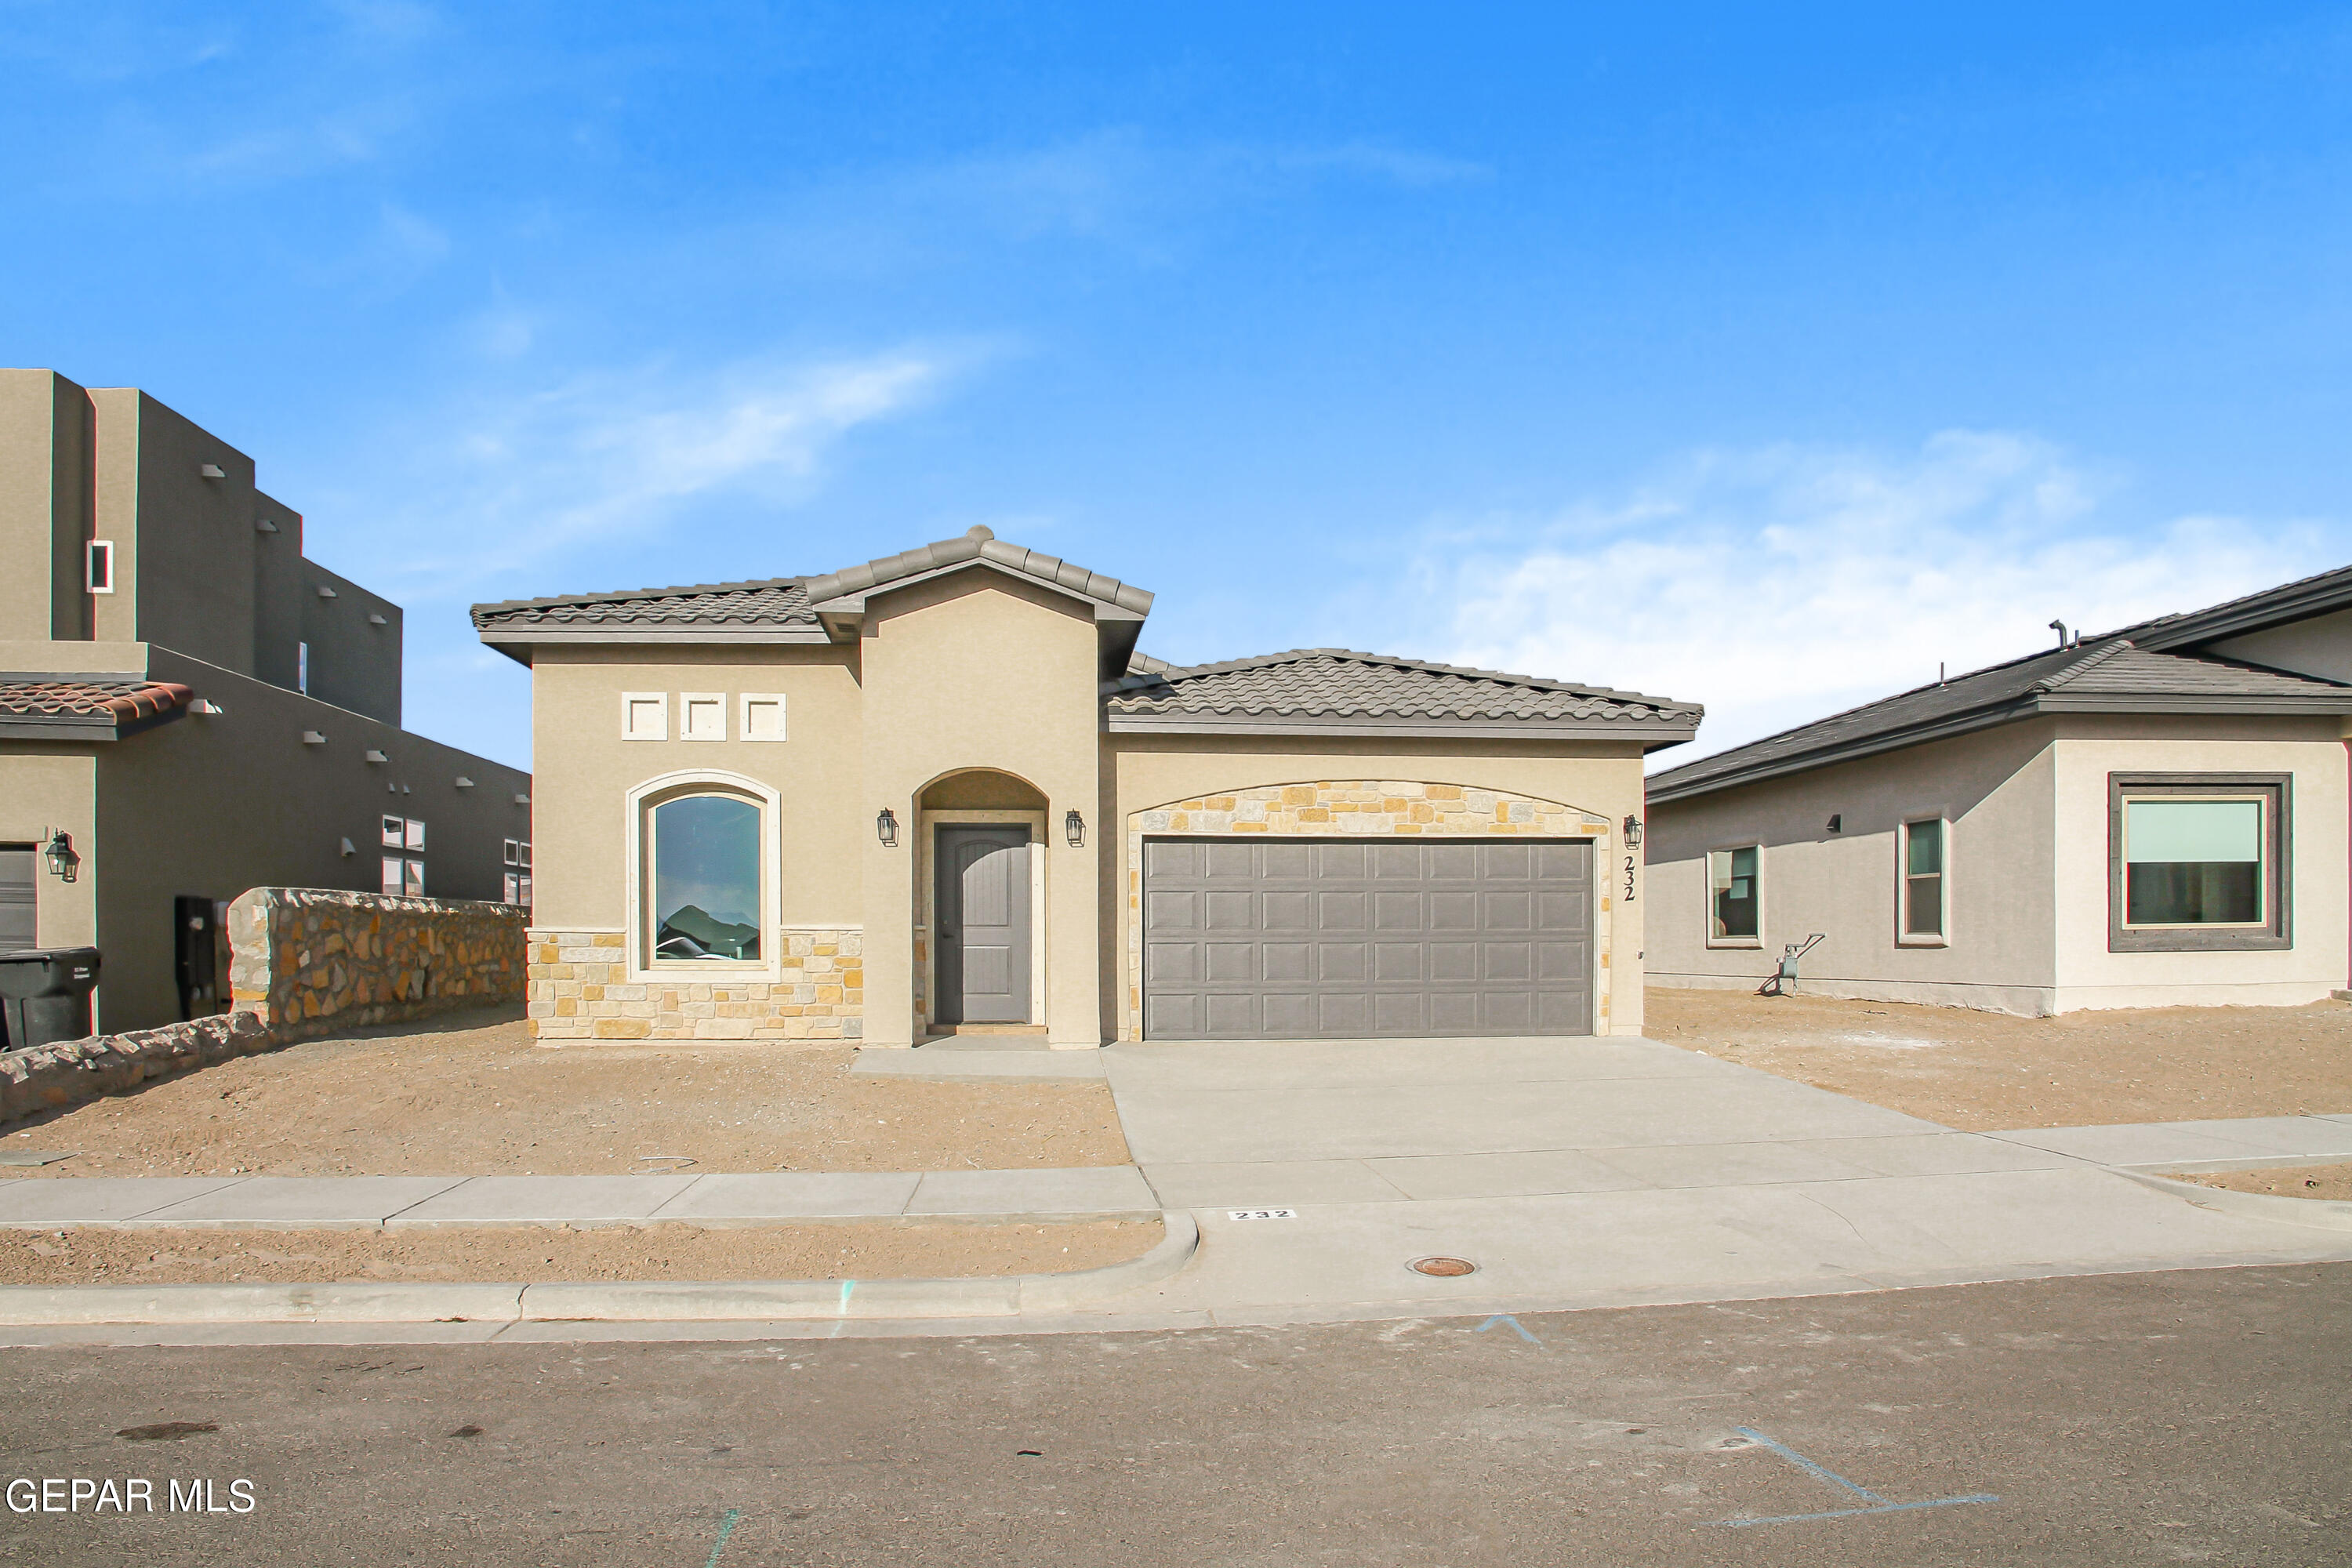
768,602
125,701
1330,683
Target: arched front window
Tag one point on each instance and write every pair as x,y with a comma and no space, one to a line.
705,904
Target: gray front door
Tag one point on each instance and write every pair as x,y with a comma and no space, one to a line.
17,884
1342,939
982,908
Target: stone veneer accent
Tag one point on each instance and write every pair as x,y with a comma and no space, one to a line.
1369,808
303,961
581,990
309,959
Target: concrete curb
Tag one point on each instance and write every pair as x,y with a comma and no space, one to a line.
2317,1213
604,1301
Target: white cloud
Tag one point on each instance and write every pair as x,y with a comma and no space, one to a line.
1781,584
624,452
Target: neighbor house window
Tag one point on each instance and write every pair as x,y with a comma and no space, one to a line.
1734,889
2199,861
705,877
101,566
392,876
1922,849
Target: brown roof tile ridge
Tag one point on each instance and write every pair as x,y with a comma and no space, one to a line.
555,601
978,543
1537,682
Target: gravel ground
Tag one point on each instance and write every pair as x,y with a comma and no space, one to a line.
1985,1072
879,1250
2329,1182
476,1098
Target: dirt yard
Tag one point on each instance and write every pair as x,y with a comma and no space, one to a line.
2329,1182
179,1255
483,1100
1989,1072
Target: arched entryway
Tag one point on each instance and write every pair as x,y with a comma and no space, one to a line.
980,949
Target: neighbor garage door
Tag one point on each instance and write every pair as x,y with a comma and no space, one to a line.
1341,938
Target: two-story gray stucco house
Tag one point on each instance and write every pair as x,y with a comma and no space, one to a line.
2154,816
942,790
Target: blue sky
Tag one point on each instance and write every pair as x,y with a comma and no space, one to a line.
1759,355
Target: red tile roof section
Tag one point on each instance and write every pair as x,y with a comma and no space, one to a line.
124,702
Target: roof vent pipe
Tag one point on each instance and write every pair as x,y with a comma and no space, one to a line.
2060,627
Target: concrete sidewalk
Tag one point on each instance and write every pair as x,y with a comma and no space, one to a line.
367,1202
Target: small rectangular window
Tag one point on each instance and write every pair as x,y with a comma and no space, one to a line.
645,715
525,848
514,852
702,716
413,882
395,832
100,566
513,890
303,667
1734,896
392,876
414,838
763,716
1923,880
526,892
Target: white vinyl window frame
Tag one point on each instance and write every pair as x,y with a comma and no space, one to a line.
1728,852
638,807
393,876
645,715
1907,889
395,832
760,715
98,567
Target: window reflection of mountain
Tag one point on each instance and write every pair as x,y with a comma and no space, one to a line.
690,932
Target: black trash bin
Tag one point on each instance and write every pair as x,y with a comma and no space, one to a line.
45,995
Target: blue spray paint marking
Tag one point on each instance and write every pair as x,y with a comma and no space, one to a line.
726,1529
1517,1327
841,1313
1878,1504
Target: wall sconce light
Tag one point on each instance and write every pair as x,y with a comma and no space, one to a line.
64,864
885,828
1074,828
1633,833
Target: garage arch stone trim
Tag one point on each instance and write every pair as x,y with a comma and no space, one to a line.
1352,808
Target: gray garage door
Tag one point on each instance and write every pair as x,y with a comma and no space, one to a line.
1341,938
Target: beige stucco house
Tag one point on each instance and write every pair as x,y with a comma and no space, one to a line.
2152,817
942,790
190,707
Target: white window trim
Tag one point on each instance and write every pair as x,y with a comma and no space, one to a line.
629,699
743,715
2263,828
91,550
1706,898
1903,937
686,701
637,805
395,832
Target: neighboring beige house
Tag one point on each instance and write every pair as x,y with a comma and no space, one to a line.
2153,817
189,707
942,790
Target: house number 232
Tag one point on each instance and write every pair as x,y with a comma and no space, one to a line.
1629,879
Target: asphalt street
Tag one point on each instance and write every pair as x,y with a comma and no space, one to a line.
2158,1418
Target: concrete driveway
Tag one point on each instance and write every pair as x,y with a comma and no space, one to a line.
1605,1171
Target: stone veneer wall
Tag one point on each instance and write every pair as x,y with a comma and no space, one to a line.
305,960
581,990
1369,808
